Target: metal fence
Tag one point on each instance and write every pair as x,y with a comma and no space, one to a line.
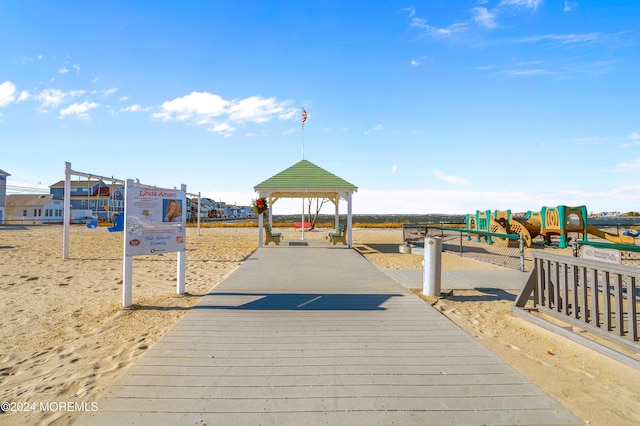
500,249
507,249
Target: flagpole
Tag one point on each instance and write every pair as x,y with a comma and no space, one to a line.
304,118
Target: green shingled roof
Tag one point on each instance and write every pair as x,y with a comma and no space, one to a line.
305,175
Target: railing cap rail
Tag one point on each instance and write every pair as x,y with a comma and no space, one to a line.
587,263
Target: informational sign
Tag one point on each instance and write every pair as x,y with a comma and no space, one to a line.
603,255
154,220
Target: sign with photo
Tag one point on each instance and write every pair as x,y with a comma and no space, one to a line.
155,220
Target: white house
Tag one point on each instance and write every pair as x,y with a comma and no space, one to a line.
3,194
33,209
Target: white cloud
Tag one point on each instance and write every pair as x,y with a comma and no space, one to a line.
202,108
483,17
257,109
634,136
451,179
288,114
429,200
288,132
597,140
132,108
50,98
222,128
80,111
24,95
451,30
394,169
533,72
530,4
411,10
77,68
565,39
108,92
568,6
376,128
626,166
415,63
480,16
63,70
7,93
196,104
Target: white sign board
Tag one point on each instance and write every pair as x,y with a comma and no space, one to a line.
155,220
602,255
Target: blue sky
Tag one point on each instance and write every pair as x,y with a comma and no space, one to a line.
427,106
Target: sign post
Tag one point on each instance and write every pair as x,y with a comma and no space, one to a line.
154,223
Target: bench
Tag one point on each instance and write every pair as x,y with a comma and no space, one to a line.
298,225
270,236
339,237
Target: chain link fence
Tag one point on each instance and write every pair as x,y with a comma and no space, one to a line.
508,249
501,249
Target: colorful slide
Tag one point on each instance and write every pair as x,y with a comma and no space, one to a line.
617,239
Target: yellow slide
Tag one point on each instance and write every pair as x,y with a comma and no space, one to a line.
617,239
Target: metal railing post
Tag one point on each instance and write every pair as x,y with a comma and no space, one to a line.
521,246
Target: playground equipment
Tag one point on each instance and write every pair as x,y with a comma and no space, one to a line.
550,221
500,222
118,223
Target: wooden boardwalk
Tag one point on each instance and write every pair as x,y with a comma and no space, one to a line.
318,335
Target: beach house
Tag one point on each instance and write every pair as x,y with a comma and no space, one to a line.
91,198
34,209
3,194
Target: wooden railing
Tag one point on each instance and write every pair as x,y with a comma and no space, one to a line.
598,297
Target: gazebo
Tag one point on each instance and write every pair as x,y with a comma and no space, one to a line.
306,180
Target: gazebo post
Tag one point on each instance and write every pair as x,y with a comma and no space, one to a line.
337,218
260,225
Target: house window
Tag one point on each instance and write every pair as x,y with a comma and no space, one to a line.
24,213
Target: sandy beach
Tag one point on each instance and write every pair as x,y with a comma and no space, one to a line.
66,338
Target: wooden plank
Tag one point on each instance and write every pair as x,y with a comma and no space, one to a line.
595,305
606,300
632,314
618,305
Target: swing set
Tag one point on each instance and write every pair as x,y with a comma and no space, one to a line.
92,220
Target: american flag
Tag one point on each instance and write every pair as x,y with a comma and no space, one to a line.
304,117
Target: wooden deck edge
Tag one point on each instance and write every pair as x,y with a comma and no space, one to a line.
593,345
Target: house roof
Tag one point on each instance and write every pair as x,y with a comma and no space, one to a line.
2,172
79,183
28,199
304,179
